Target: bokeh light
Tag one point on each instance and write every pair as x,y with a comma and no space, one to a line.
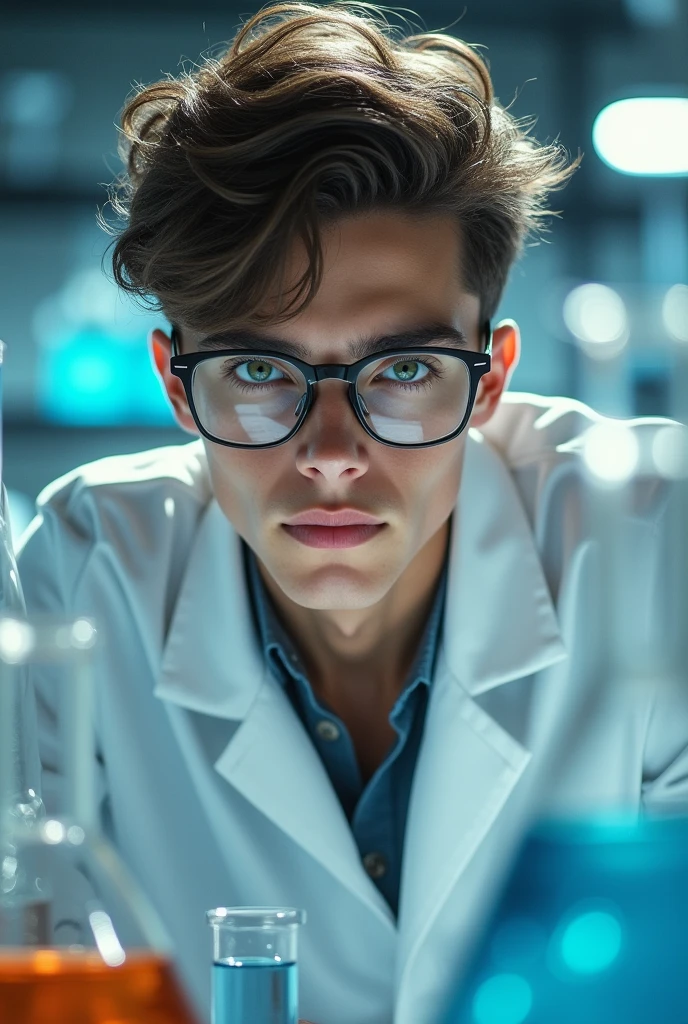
670,452
596,315
83,634
611,451
591,942
54,831
675,312
644,135
17,640
503,999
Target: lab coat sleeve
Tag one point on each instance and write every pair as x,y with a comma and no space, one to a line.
52,555
665,762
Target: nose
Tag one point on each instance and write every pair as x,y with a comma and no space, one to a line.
332,444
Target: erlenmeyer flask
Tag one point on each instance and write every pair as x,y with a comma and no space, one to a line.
97,953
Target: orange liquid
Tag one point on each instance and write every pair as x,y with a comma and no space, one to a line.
49,987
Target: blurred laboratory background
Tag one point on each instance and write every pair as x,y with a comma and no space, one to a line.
606,77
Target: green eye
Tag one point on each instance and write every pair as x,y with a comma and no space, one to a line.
258,370
405,371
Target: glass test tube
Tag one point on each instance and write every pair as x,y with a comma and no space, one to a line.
255,979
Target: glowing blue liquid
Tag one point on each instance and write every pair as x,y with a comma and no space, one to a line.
259,991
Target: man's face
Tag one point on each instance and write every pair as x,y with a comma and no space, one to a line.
383,273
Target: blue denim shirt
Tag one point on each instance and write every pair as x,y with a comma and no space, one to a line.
376,811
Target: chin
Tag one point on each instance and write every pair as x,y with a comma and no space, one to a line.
335,588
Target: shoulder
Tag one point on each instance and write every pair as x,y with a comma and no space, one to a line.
527,427
182,467
542,441
130,482
136,510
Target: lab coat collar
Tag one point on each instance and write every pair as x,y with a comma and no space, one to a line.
212,661
499,621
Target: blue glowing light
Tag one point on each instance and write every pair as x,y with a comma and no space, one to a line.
92,376
502,999
94,367
591,942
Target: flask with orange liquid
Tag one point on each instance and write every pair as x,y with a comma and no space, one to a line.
79,943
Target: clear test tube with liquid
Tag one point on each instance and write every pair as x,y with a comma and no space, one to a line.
255,973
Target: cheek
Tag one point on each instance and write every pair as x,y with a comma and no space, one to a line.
429,481
235,477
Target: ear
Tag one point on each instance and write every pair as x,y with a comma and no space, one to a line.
161,350
506,350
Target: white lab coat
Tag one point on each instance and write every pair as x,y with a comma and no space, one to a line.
209,784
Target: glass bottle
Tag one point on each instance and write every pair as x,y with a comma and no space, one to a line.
255,973
99,955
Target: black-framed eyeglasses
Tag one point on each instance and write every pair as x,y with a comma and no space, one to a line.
404,398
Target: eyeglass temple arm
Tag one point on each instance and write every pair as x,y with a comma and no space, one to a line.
487,330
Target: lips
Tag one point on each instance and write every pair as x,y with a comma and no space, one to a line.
333,518
333,528
334,536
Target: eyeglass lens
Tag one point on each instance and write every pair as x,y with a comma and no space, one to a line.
409,399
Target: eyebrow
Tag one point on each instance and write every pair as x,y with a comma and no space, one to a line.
429,334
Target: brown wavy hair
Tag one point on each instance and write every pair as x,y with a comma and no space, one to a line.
311,114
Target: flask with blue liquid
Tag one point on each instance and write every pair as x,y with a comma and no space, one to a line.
255,973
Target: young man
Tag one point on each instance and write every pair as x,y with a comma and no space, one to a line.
352,629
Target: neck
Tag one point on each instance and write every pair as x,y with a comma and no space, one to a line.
358,651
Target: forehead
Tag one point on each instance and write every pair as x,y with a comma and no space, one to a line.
383,272
384,264
389,251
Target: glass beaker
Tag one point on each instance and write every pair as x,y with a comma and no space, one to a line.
79,941
255,972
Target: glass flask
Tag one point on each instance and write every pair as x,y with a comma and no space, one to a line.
19,705
255,972
79,942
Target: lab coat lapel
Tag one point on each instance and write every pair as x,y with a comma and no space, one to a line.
211,661
212,664
272,763
465,775
499,625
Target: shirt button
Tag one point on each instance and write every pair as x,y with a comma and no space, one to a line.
375,864
327,730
